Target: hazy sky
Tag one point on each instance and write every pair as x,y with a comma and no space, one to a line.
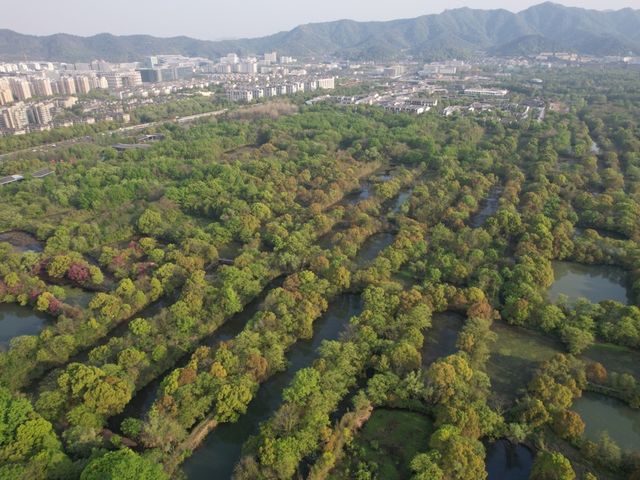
215,19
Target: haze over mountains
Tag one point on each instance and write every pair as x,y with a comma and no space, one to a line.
453,33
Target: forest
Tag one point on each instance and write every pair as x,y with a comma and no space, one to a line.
329,292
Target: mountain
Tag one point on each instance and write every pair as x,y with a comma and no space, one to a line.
453,33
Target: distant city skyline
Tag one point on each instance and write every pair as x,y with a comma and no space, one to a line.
229,20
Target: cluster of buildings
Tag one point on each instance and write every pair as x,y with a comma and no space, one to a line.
25,87
248,93
268,63
20,117
437,69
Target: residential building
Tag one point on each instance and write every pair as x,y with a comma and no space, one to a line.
485,92
327,83
6,96
14,117
246,67
231,58
394,71
67,86
121,79
83,86
42,87
20,88
240,95
40,113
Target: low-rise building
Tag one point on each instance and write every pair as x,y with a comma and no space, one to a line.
485,92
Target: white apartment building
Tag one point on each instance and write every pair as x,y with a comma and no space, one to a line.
240,95
327,83
485,92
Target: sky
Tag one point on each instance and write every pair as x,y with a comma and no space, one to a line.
221,19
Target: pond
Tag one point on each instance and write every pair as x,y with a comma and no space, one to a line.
21,241
372,246
221,450
16,320
593,282
508,461
606,414
440,340
489,207
515,356
78,297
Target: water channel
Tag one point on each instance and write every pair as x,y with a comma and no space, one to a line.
221,450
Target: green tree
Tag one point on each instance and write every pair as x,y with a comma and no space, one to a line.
551,466
123,465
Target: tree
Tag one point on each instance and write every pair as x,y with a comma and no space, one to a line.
123,465
425,467
552,466
568,424
151,223
462,457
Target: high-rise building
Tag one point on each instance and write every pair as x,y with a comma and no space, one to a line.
42,87
40,113
20,88
271,57
83,86
67,86
14,117
246,67
231,58
6,96
102,83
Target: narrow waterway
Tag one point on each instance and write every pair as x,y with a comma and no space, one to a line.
221,450
400,200
371,247
489,206
142,401
356,197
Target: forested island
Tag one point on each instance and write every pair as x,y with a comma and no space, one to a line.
329,292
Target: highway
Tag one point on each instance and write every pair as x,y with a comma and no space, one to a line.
129,129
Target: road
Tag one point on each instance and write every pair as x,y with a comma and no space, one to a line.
129,129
